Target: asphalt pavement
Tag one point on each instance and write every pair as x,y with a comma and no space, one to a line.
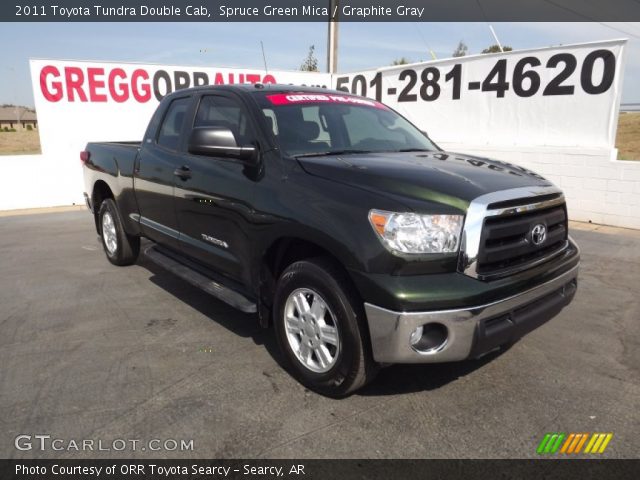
113,355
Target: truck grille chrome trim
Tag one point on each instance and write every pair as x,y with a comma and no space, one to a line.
514,203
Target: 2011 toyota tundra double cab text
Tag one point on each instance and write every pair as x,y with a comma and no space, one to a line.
340,224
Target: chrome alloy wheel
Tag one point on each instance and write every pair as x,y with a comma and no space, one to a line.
311,329
109,233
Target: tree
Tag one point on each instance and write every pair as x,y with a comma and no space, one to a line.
496,49
401,61
310,63
461,50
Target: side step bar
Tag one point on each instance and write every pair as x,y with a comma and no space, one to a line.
210,286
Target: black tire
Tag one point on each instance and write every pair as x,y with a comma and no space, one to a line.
354,365
128,246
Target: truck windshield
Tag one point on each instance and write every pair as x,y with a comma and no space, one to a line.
313,124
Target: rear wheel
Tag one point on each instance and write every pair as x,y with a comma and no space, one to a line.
320,327
120,248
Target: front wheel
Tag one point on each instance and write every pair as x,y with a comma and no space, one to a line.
320,327
120,248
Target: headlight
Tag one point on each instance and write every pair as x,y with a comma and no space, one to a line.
415,234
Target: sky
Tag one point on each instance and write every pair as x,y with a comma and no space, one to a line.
361,45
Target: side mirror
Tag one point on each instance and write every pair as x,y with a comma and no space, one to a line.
220,142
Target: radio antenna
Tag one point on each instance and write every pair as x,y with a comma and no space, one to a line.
264,57
493,32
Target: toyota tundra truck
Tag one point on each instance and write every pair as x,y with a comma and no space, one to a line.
337,222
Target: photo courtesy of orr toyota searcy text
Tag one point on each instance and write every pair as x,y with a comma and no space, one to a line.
162,471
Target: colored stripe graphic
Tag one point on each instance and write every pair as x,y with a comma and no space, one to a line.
573,443
606,442
598,443
556,445
591,442
596,446
570,438
550,443
543,444
581,443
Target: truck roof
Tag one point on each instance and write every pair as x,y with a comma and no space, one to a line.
258,87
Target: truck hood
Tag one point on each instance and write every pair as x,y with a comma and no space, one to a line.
441,177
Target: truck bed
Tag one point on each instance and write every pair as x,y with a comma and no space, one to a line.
113,163
124,143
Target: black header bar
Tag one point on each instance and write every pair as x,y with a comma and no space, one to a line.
319,11
583,469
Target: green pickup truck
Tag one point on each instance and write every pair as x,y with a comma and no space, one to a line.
340,224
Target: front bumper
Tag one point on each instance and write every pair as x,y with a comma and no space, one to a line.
471,331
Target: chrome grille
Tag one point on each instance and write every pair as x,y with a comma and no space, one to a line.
506,241
497,235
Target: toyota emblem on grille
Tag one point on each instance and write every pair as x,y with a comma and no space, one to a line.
539,234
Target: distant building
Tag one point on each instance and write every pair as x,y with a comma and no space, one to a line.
18,118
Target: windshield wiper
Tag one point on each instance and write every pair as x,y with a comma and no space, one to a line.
414,150
331,152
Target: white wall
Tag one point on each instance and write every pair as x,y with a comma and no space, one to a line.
33,181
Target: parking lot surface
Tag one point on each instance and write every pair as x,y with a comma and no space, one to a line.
90,351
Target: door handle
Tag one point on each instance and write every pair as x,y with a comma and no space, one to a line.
183,172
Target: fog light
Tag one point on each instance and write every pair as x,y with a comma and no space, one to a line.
416,335
429,338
